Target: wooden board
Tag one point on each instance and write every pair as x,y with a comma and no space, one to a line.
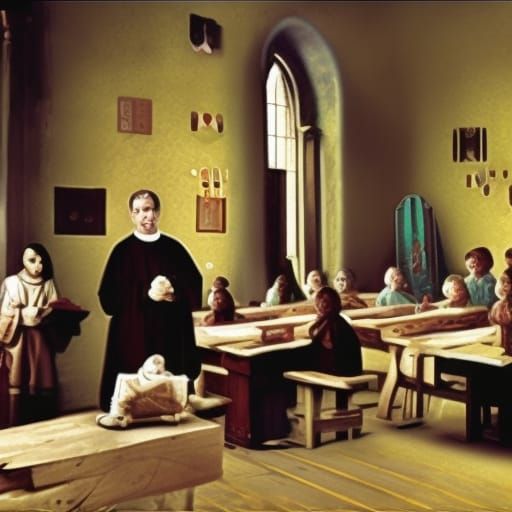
416,246
70,462
255,313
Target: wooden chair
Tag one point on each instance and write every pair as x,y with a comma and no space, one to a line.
344,418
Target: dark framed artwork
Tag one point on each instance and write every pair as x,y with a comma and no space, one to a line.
469,144
211,214
79,211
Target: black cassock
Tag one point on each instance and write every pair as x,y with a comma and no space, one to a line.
140,326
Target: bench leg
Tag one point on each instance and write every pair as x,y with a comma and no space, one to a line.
312,407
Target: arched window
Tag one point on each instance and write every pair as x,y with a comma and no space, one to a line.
282,146
303,161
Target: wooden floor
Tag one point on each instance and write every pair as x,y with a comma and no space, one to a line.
426,467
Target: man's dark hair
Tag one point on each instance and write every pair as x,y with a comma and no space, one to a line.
143,194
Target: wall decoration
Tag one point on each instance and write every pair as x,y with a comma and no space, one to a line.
211,182
469,144
211,214
489,182
200,120
210,200
79,211
134,115
204,33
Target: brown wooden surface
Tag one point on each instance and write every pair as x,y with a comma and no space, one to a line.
69,462
256,313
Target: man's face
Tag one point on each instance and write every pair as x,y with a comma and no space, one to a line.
144,216
32,262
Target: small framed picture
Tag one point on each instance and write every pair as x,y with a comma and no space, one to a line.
211,214
470,144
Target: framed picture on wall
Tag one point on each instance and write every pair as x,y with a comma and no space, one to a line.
79,211
470,144
211,214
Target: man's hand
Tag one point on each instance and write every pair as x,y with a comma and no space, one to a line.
161,289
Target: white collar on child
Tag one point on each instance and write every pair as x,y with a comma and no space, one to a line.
147,238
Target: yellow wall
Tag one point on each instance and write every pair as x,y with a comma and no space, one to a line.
410,74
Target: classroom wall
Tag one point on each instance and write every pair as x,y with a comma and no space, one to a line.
409,74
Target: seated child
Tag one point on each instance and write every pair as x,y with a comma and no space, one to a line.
456,292
314,281
345,284
335,347
480,282
279,293
222,309
508,257
395,290
501,311
218,283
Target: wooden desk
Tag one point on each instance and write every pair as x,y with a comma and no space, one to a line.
437,329
70,463
369,322
372,329
258,313
488,375
250,373
306,307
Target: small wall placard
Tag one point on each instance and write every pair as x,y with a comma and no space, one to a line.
211,214
79,211
134,115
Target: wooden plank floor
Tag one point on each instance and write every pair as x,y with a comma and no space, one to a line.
426,467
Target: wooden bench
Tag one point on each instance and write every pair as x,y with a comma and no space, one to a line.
70,463
344,418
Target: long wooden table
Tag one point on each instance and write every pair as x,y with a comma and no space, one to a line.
69,463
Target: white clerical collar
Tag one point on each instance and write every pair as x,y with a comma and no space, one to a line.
153,237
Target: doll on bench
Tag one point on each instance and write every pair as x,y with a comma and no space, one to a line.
155,394
150,394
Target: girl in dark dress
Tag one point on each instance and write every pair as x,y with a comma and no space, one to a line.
222,309
335,349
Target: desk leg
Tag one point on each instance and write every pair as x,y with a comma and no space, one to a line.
390,387
473,411
420,377
505,424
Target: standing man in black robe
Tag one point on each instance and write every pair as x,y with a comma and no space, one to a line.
148,318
